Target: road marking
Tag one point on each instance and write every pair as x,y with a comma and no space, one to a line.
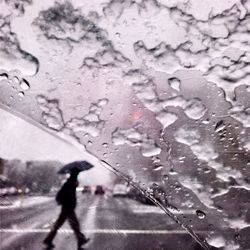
27,202
91,215
156,210
97,231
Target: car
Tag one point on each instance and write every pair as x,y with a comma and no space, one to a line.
120,190
12,191
86,190
3,192
99,190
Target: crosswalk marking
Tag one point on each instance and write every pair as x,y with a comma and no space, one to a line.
97,231
157,210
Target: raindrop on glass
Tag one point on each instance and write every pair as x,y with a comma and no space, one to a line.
165,177
172,172
21,93
15,79
24,84
219,126
3,76
174,83
200,214
156,159
157,167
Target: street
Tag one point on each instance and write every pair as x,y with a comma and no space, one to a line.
110,223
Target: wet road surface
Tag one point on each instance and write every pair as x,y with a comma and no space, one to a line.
111,223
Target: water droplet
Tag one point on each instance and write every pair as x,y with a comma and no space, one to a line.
105,145
103,102
24,84
172,172
90,143
207,170
207,121
21,93
155,185
200,214
165,177
220,125
3,76
182,159
157,167
15,79
156,159
174,83
118,35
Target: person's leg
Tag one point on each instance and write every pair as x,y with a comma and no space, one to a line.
76,228
59,222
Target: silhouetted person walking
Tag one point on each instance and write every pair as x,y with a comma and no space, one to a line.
66,197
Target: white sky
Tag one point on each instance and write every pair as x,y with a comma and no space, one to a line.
22,140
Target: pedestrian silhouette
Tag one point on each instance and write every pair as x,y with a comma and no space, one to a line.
66,197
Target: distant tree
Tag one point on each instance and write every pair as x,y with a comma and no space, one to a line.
37,176
42,176
1,165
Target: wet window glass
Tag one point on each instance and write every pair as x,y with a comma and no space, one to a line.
139,111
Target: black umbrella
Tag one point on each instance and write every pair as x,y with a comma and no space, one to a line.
75,166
